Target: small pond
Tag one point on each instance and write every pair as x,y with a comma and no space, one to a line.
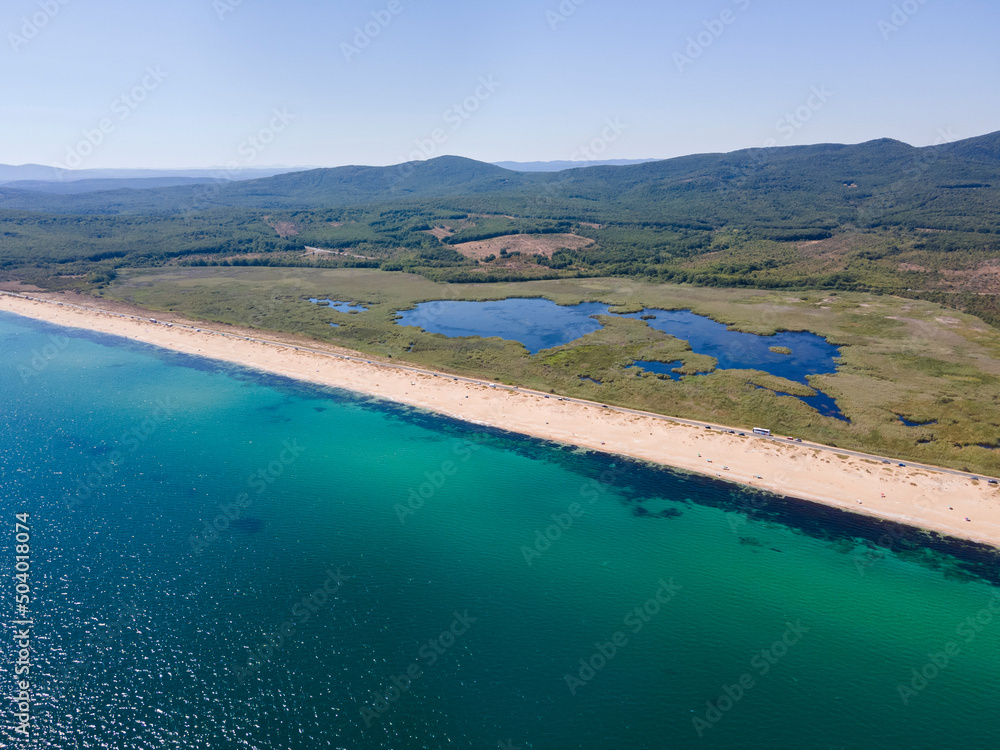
344,307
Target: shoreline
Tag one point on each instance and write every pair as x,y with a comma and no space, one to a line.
930,498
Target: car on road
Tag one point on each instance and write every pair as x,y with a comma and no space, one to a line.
886,462
994,481
903,465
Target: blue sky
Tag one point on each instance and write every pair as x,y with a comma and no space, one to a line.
255,83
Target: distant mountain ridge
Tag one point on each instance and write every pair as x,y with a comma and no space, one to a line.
783,192
558,166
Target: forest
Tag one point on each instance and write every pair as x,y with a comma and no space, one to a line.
881,217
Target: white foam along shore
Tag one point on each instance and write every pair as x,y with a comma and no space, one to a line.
933,498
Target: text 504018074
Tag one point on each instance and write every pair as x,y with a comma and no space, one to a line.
22,625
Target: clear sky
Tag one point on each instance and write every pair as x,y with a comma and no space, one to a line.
188,83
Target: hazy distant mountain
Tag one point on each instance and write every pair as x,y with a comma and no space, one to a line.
558,166
40,173
98,185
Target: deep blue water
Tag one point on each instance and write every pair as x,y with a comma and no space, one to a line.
460,553
541,324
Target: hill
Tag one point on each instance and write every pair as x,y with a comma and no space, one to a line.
881,215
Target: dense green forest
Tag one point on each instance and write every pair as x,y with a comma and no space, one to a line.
880,216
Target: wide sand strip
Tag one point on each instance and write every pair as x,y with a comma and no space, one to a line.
919,496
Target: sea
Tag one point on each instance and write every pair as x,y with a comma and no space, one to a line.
199,555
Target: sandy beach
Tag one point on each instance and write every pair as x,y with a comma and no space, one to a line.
934,499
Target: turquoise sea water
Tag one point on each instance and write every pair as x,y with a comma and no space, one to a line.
382,550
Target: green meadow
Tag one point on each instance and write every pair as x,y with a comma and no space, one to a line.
899,357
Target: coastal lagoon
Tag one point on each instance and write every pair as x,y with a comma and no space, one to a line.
541,324
228,559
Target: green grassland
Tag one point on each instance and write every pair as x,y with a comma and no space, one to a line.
899,356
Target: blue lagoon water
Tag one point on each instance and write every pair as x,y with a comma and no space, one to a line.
225,559
339,306
536,323
542,324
